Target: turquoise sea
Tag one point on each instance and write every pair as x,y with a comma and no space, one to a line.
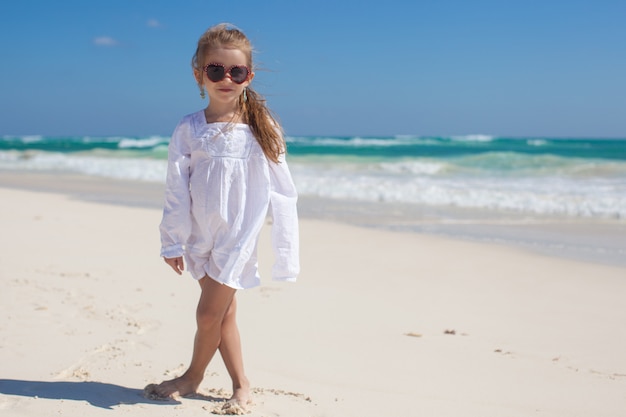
577,177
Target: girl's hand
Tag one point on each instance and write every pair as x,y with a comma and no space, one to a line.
177,264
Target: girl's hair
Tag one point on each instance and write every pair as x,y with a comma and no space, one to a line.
259,117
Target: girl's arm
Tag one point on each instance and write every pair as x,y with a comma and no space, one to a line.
285,232
175,226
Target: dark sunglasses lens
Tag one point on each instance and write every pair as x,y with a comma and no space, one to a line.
239,74
215,73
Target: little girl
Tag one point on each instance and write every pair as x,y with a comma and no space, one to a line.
226,171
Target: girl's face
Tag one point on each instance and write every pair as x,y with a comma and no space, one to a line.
226,90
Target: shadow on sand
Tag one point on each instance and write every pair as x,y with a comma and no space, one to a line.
98,394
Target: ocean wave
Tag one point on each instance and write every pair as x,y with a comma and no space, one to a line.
151,142
132,169
70,144
398,147
31,138
545,196
414,167
473,138
535,165
498,177
357,141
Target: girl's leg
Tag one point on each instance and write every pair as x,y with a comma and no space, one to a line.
230,349
215,300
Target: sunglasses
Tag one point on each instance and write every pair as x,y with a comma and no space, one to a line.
217,72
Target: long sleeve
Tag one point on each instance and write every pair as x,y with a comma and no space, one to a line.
175,226
285,232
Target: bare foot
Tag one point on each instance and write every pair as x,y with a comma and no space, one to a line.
177,387
238,404
232,407
241,395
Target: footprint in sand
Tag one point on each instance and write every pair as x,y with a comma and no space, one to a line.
98,358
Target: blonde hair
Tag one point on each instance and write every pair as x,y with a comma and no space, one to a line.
259,117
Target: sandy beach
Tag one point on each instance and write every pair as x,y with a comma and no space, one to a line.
381,323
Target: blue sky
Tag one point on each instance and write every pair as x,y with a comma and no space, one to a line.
447,67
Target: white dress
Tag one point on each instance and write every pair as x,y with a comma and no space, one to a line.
219,188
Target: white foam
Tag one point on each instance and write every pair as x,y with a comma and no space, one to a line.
424,182
546,195
473,138
142,143
29,138
133,169
413,167
361,141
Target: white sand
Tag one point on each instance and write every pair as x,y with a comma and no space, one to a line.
90,315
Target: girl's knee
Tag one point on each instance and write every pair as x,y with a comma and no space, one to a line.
231,312
215,303
209,316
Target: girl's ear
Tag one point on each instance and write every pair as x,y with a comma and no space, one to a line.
198,76
250,77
